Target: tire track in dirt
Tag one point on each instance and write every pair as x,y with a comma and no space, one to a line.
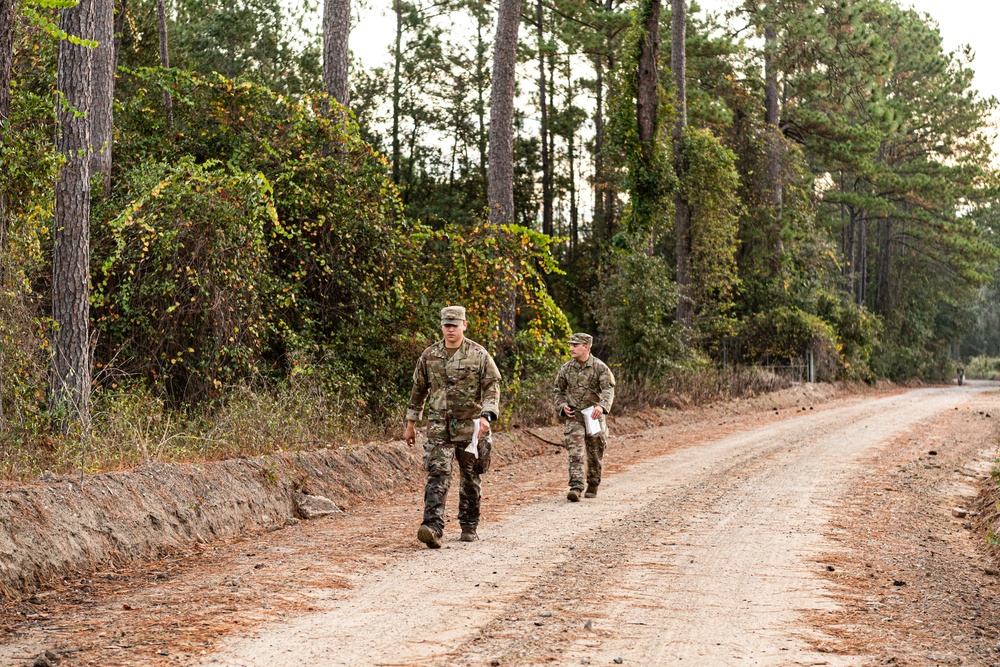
705,555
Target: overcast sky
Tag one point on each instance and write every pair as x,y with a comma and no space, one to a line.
975,22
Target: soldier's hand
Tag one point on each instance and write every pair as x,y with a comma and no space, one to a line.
410,433
598,411
568,411
484,426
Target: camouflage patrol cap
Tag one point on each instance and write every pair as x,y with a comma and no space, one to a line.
581,339
452,315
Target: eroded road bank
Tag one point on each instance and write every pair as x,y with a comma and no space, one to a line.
708,545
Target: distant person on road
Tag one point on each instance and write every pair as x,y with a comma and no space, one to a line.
584,382
960,372
461,384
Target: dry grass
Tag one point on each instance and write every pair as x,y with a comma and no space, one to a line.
130,427
687,387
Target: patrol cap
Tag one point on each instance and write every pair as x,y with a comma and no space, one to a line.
581,339
453,315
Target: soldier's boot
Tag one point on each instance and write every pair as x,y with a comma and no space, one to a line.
469,535
591,491
429,536
573,496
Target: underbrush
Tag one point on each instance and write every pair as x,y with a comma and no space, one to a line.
684,387
131,425
983,368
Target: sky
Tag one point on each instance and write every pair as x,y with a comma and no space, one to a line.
971,22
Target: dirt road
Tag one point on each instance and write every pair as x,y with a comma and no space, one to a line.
718,542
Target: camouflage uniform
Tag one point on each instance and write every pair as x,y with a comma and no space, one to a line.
458,389
581,386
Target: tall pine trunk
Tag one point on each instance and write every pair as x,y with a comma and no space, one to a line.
102,90
8,15
336,55
884,256
70,389
481,85
861,291
598,230
574,232
161,15
682,212
610,197
396,89
501,153
647,119
543,105
772,119
500,191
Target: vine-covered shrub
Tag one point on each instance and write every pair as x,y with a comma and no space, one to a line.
333,259
634,308
710,184
181,289
496,272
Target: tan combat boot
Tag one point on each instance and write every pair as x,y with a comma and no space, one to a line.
573,496
469,535
591,491
429,536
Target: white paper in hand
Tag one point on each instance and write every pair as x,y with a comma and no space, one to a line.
592,425
473,447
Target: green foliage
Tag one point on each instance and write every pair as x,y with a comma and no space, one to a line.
490,269
337,252
710,183
42,19
181,292
983,368
634,308
643,172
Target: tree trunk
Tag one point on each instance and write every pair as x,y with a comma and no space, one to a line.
610,195
884,247
161,14
649,80
774,142
70,390
772,119
682,212
571,157
543,105
500,189
396,83
102,90
599,221
481,85
120,15
336,56
501,155
862,259
8,16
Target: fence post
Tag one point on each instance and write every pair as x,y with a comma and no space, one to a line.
812,369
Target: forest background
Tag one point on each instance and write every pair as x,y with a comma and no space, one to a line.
812,183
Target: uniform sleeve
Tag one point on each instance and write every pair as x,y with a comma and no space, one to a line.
489,385
607,383
419,393
559,391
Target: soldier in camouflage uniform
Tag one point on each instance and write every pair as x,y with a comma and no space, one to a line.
461,385
583,382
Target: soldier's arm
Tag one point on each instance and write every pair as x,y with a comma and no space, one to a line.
489,384
607,384
559,391
419,393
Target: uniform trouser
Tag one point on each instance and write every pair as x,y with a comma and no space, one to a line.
577,442
438,457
